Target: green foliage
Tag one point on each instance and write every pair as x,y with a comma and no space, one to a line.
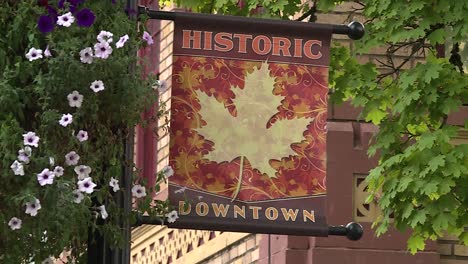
422,176
259,8
33,97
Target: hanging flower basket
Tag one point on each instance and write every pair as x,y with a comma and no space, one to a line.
67,103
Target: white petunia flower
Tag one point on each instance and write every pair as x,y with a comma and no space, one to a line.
86,55
105,36
121,41
15,223
77,196
82,171
28,150
30,139
24,154
168,171
51,161
82,135
162,86
65,20
66,120
47,52
34,54
75,99
114,183
172,216
86,185
97,86
72,158
138,191
58,171
103,212
102,50
33,207
45,177
18,168
148,38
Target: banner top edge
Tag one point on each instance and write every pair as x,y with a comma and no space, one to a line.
251,20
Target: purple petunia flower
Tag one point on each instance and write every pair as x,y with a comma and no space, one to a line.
52,13
61,3
148,38
85,17
45,24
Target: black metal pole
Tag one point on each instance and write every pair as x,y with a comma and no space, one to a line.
122,256
353,231
353,30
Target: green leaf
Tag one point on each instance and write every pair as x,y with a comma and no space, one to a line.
375,116
431,72
437,36
415,243
464,238
326,5
407,210
426,141
430,188
436,162
418,218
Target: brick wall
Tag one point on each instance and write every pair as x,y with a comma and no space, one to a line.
451,252
162,245
243,252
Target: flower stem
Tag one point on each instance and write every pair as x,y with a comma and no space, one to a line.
239,182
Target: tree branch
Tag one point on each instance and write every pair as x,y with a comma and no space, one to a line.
455,58
310,13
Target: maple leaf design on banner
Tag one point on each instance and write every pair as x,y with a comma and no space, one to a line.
245,134
280,111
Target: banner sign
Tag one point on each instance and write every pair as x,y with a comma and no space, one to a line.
248,125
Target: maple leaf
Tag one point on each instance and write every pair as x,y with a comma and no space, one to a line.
246,135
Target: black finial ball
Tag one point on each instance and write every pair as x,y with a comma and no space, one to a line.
356,30
354,231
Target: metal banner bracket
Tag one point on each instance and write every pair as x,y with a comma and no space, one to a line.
354,30
353,231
